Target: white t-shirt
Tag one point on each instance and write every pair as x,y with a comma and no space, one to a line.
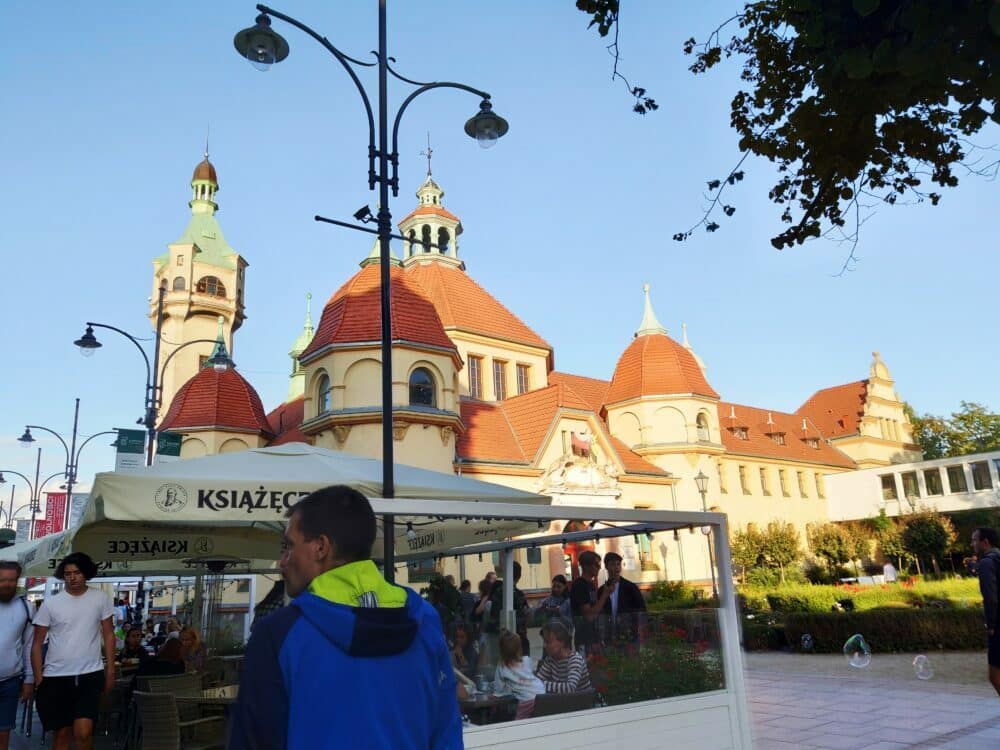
75,636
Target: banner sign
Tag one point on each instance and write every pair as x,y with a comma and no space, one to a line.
76,507
41,528
55,510
23,530
131,450
168,447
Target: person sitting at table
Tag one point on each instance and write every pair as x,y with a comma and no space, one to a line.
132,652
464,655
514,676
168,662
192,650
562,670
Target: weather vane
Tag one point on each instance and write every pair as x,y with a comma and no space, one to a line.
428,153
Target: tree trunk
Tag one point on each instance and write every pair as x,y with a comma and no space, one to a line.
934,563
917,560
782,569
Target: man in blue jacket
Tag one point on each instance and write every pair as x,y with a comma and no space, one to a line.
354,661
984,544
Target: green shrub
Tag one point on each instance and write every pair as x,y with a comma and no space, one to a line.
670,595
763,636
889,630
754,599
771,577
803,599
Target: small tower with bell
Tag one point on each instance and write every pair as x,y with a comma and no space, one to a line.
431,230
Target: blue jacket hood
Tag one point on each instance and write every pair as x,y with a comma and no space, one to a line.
363,631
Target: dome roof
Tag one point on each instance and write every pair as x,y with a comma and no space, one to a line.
205,171
217,399
656,365
353,314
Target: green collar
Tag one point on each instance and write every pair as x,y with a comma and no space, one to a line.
357,584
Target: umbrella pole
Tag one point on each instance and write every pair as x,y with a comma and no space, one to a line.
389,547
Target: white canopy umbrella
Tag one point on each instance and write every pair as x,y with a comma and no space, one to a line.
172,517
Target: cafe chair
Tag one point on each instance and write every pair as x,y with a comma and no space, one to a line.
160,727
548,704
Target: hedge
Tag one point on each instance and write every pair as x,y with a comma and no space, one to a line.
888,630
819,599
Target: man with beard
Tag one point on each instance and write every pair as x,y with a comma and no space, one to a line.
16,679
70,683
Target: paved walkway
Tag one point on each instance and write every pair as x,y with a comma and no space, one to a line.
837,708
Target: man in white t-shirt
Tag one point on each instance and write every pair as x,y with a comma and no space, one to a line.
68,688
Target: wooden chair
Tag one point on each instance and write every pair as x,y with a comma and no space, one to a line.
161,728
548,704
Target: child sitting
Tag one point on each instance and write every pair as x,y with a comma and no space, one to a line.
514,675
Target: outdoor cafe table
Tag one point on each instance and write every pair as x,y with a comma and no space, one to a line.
212,698
489,709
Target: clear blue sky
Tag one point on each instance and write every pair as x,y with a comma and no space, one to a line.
105,108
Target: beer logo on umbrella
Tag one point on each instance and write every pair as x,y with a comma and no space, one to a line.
171,498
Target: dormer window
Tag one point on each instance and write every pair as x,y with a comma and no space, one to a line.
778,437
812,442
742,433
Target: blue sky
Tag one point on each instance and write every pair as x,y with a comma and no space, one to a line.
105,112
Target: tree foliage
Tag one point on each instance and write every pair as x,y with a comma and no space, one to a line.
780,546
745,548
857,102
927,535
831,543
971,429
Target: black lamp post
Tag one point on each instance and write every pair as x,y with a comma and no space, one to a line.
701,481
89,344
263,46
72,457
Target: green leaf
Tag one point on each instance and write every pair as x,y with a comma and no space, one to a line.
865,8
857,63
995,19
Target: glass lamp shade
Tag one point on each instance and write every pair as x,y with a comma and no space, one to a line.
486,126
260,44
88,343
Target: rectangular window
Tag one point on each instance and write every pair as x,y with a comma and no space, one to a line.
910,486
783,481
765,484
500,379
180,260
741,433
889,487
932,478
522,379
243,586
956,479
722,477
820,486
476,377
981,479
744,482
802,483
778,437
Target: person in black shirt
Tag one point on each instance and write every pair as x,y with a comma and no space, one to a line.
625,610
586,602
133,652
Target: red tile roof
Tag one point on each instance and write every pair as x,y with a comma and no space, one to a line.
591,390
656,365
217,399
353,314
461,303
837,411
285,421
513,430
430,210
760,443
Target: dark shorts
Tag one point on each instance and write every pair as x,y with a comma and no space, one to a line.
993,649
10,695
62,700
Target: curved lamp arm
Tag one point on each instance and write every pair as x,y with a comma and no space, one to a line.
69,458
79,450
171,355
134,340
394,157
49,479
346,61
31,487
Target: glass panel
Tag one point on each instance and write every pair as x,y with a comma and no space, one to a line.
981,479
421,388
910,486
889,487
932,478
499,379
522,379
956,479
475,377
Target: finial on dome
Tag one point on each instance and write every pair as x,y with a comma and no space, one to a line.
220,359
684,329
309,319
649,324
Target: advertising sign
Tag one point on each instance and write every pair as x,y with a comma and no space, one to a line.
168,447
76,508
23,530
131,450
55,510
41,528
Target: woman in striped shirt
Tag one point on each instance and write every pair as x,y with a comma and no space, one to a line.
562,670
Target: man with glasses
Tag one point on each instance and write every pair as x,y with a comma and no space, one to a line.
16,679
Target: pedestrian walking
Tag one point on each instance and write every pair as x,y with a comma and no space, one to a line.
985,543
353,661
16,635
68,685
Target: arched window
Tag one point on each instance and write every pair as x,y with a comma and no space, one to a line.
702,423
421,388
179,284
323,393
412,235
443,241
212,286
426,238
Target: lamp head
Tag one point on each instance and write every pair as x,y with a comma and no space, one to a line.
486,126
701,481
260,44
88,342
26,439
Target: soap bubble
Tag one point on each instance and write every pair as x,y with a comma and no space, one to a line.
857,652
807,642
922,667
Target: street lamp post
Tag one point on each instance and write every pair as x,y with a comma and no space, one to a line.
72,456
34,491
263,47
701,481
88,344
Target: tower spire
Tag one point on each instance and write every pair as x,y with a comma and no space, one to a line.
220,359
649,324
428,153
296,386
